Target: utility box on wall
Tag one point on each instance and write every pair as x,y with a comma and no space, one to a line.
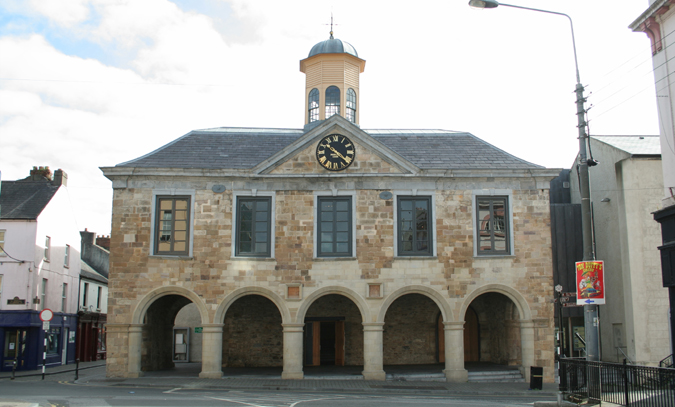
181,344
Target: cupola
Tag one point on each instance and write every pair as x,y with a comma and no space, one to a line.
332,72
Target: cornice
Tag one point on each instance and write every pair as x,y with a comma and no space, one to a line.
649,23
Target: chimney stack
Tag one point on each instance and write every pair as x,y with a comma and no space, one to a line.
60,178
40,174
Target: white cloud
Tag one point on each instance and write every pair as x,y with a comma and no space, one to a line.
505,76
64,13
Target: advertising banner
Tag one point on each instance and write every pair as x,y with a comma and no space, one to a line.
590,282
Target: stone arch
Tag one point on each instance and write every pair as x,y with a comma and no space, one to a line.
244,291
152,296
511,293
432,294
358,300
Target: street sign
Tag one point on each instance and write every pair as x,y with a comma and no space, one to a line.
590,282
46,315
45,325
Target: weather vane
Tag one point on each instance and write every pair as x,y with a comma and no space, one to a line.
331,25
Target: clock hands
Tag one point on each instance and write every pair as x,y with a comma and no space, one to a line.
338,154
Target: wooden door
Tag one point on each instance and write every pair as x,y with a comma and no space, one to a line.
471,337
339,343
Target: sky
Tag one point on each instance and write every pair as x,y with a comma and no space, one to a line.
86,84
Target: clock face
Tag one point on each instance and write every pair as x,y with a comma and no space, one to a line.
335,152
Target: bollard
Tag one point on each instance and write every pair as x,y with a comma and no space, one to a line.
77,369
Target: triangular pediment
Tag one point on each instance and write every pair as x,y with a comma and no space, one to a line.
370,155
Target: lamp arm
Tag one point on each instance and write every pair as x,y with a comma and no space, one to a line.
574,44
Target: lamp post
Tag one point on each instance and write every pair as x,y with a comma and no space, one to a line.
590,311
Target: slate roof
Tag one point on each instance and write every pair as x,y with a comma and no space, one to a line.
634,145
25,199
88,272
244,148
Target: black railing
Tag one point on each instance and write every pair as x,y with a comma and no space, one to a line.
626,385
666,362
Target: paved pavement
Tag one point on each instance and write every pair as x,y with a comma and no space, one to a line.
186,376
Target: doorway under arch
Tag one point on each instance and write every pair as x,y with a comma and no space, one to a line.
161,347
333,334
492,330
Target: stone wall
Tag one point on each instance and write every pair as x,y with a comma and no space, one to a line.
411,331
454,274
252,334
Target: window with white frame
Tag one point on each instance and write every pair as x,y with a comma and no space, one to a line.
64,297
43,294
85,296
493,225
48,243
313,105
66,257
98,297
2,243
332,101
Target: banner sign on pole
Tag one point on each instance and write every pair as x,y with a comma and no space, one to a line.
590,282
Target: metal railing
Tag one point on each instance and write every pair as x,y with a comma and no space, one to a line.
623,384
667,361
76,370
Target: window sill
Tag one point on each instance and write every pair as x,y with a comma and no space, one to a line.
494,256
416,258
244,258
171,257
334,258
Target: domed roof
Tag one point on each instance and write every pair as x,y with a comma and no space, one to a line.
333,46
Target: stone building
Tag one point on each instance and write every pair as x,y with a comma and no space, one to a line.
331,244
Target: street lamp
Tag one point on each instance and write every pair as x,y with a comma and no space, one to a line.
590,311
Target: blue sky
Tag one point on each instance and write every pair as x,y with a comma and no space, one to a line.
91,83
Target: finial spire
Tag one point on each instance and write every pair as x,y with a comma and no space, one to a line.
331,25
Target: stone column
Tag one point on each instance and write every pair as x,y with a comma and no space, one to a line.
527,346
135,343
372,351
212,351
292,351
454,352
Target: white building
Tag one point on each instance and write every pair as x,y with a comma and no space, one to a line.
625,187
39,269
658,22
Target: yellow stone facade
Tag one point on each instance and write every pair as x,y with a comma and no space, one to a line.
212,278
